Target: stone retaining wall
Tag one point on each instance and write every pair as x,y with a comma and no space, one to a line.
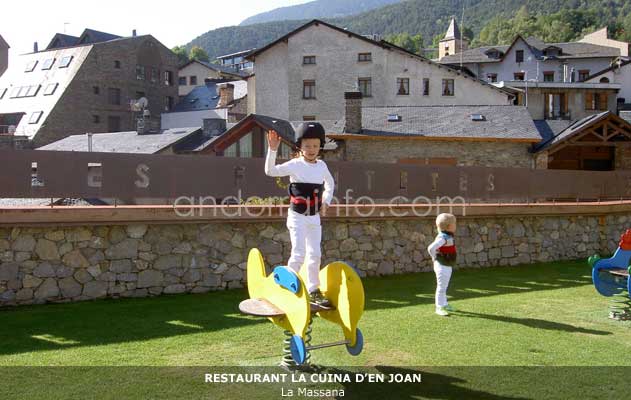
39,265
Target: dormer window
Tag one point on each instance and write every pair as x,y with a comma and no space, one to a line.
552,51
493,54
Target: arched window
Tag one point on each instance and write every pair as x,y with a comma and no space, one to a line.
604,80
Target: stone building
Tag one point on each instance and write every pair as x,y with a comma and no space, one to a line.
304,74
196,73
551,79
86,84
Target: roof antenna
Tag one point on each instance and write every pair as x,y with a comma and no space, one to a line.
461,30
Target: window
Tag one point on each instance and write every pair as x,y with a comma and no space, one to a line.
602,101
364,57
308,90
48,64
245,146
140,94
548,76
308,60
308,118
35,117
168,103
30,66
113,124
96,90
65,61
604,80
448,87
114,96
168,78
241,148
50,89
140,72
403,86
96,119
491,77
192,80
583,74
284,151
596,101
181,81
15,92
117,64
518,76
33,90
23,91
446,49
425,86
155,75
519,56
365,86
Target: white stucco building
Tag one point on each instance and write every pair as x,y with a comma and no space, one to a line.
304,75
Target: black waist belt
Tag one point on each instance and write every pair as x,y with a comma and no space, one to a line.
446,258
305,198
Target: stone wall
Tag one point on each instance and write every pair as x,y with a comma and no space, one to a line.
39,265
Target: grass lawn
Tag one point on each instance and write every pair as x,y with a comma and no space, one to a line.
520,332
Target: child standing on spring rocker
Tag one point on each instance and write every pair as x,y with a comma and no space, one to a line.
310,190
443,253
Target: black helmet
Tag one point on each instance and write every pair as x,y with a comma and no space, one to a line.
310,130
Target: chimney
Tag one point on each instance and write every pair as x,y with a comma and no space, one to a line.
133,33
353,122
89,141
213,126
226,94
35,48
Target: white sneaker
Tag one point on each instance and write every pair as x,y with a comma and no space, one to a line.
441,311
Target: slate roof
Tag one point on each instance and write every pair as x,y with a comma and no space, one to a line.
569,50
453,32
123,142
501,122
548,128
217,67
286,129
572,129
206,97
96,36
62,40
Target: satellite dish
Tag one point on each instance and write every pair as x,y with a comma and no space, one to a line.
140,104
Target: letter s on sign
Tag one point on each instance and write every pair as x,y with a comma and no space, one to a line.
142,171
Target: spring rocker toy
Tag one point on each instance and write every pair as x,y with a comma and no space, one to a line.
611,278
283,298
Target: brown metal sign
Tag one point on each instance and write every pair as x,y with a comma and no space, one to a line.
51,174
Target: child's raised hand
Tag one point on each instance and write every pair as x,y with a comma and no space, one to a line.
273,140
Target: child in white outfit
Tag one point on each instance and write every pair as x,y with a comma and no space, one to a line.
443,253
311,191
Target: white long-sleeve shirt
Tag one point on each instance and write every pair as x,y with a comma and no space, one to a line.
436,244
301,171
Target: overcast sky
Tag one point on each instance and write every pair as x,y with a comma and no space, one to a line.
26,21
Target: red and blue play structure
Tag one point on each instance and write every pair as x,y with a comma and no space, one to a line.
611,277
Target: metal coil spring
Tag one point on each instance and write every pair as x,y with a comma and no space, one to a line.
288,360
620,306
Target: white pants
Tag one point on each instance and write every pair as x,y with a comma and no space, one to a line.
443,275
305,233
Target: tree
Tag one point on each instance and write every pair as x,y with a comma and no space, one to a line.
199,54
180,52
413,44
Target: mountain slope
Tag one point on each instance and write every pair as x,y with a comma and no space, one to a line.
318,9
427,17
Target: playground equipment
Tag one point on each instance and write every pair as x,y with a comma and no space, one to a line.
282,297
611,278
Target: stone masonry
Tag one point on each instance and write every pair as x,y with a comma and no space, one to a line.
39,265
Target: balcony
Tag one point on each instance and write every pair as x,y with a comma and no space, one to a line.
558,115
